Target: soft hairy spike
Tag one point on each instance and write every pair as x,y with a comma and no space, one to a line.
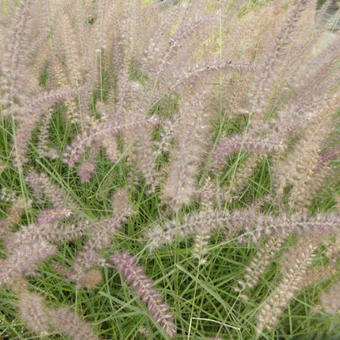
48,216
14,215
178,40
101,237
66,321
76,150
86,171
33,312
43,148
71,52
120,202
6,195
208,194
191,135
51,232
226,82
316,274
285,225
42,185
289,285
207,220
201,71
42,320
261,145
89,256
254,225
166,136
259,264
142,285
301,165
92,278
245,169
24,259
200,249
60,78
29,114
44,100
272,59
13,64
145,158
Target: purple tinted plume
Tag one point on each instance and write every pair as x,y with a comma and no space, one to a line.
135,276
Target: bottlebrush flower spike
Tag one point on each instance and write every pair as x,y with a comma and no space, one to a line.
101,238
227,146
201,71
285,225
96,135
267,70
86,171
123,81
14,215
164,144
41,320
43,148
192,131
14,61
42,185
33,312
52,215
259,264
207,220
29,115
319,273
40,102
254,225
24,259
177,42
301,258
65,320
135,276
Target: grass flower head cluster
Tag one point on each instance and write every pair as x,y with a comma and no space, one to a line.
169,169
